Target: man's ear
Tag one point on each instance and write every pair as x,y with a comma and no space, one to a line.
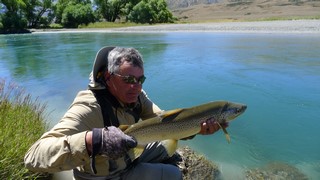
107,76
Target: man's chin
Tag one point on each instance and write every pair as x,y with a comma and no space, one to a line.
132,99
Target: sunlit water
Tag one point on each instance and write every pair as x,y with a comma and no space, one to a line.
276,75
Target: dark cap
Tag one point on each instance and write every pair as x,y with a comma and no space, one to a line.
101,60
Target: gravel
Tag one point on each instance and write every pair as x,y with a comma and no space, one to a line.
295,26
288,26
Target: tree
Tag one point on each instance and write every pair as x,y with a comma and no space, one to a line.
151,11
22,14
111,10
129,7
61,5
13,5
12,19
35,11
74,15
141,13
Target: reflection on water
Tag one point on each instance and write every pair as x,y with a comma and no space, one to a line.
277,76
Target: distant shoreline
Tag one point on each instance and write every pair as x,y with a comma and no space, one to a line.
283,26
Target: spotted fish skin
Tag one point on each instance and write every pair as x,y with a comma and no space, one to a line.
181,123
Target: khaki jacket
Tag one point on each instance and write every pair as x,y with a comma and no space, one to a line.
63,147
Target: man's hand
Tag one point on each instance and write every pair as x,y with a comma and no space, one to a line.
108,141
211,126
111,142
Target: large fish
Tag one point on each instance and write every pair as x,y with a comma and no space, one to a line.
177,124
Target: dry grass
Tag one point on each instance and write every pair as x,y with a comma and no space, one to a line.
250,10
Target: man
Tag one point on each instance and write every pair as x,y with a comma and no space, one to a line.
87,139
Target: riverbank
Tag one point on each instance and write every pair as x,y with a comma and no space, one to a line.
23,121
283,26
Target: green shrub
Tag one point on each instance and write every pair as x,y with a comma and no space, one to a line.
22,123
74,15
13,22
55,26
151,11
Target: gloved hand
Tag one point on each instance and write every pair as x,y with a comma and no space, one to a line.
111,142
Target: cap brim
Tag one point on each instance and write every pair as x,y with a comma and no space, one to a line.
101,60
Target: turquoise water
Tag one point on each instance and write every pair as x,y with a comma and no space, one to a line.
276,75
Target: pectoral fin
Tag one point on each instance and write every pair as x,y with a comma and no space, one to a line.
225,133
170,145
135,152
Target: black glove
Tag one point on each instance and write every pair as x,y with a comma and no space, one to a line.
111,142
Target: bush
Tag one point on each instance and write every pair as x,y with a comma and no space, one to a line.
74,15
151,11
22,123
13,22
55,26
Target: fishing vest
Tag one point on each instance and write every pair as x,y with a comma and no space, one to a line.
106,101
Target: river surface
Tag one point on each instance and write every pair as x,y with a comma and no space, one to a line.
276,75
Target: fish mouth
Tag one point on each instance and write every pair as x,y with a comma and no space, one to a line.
236,111
242,109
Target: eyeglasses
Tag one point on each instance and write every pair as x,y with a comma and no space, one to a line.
132,79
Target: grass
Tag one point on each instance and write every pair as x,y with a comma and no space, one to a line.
291,18
102,25
22,123
110,25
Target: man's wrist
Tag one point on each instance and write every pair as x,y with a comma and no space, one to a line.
88,140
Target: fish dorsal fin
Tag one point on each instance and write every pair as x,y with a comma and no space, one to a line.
170,115
124,127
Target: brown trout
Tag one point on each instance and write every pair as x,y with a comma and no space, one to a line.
177,124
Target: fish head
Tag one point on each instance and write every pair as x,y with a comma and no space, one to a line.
232,110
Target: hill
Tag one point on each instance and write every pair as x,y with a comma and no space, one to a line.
243,10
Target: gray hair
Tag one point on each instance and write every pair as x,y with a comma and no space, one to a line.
119,55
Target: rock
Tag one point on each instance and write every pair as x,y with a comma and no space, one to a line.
193,165
276,170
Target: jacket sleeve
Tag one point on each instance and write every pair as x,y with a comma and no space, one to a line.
63,147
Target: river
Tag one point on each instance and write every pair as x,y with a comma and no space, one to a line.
276,75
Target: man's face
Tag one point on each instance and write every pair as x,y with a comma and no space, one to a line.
122,90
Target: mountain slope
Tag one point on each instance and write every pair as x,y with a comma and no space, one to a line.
214,10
